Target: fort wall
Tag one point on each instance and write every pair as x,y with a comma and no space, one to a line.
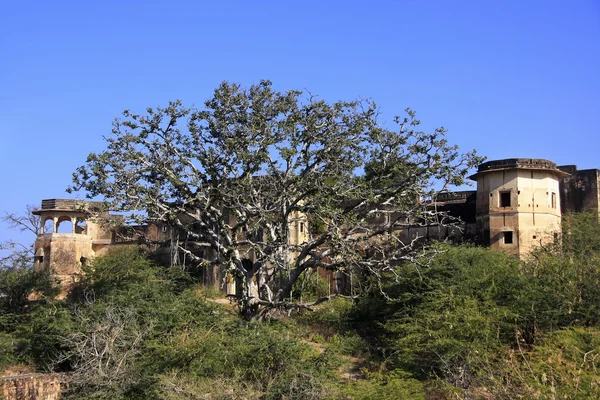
517,206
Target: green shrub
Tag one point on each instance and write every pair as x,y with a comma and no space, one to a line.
389,385
19,281
349,343
564,364
310,286
330,317
8,345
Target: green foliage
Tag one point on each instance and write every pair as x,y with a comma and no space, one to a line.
273,157
565,278
23,328
388,385
256,353
121,270
7,350
188,343
18,281
310,286
447,316
564,364
47,326
331,316
476,324
494,326
181,386
295,385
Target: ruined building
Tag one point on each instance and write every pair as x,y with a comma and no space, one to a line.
518,205
66,251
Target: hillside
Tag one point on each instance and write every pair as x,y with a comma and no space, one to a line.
477,324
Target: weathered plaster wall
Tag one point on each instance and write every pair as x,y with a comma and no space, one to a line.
63,254
518,207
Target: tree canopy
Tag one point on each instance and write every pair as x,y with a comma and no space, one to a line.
237,173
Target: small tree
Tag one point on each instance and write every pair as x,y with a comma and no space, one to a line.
15,252
18,280
236,174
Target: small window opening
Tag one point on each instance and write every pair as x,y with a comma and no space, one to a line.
504,199
534,237
83,261
553,200
508,237
302,227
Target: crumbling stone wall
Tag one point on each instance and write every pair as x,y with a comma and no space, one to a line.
32,387
580,191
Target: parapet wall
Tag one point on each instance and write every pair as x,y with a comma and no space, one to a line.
70,204
510,163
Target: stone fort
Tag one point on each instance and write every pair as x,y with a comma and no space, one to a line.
517,206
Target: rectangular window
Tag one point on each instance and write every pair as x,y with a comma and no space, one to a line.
553,200
508,238
505,199
302,227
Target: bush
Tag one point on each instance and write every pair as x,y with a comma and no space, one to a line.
8,344
17,283
565,279
389,385
564,364
449,318
330,317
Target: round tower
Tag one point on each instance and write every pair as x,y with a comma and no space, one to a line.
518,203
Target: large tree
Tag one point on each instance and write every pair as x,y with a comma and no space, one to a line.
236,173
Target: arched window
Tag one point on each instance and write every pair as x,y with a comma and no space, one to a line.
49,226
81,226
64,225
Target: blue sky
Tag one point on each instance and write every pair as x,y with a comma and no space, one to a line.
509,78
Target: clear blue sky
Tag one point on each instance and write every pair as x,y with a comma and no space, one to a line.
509,78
